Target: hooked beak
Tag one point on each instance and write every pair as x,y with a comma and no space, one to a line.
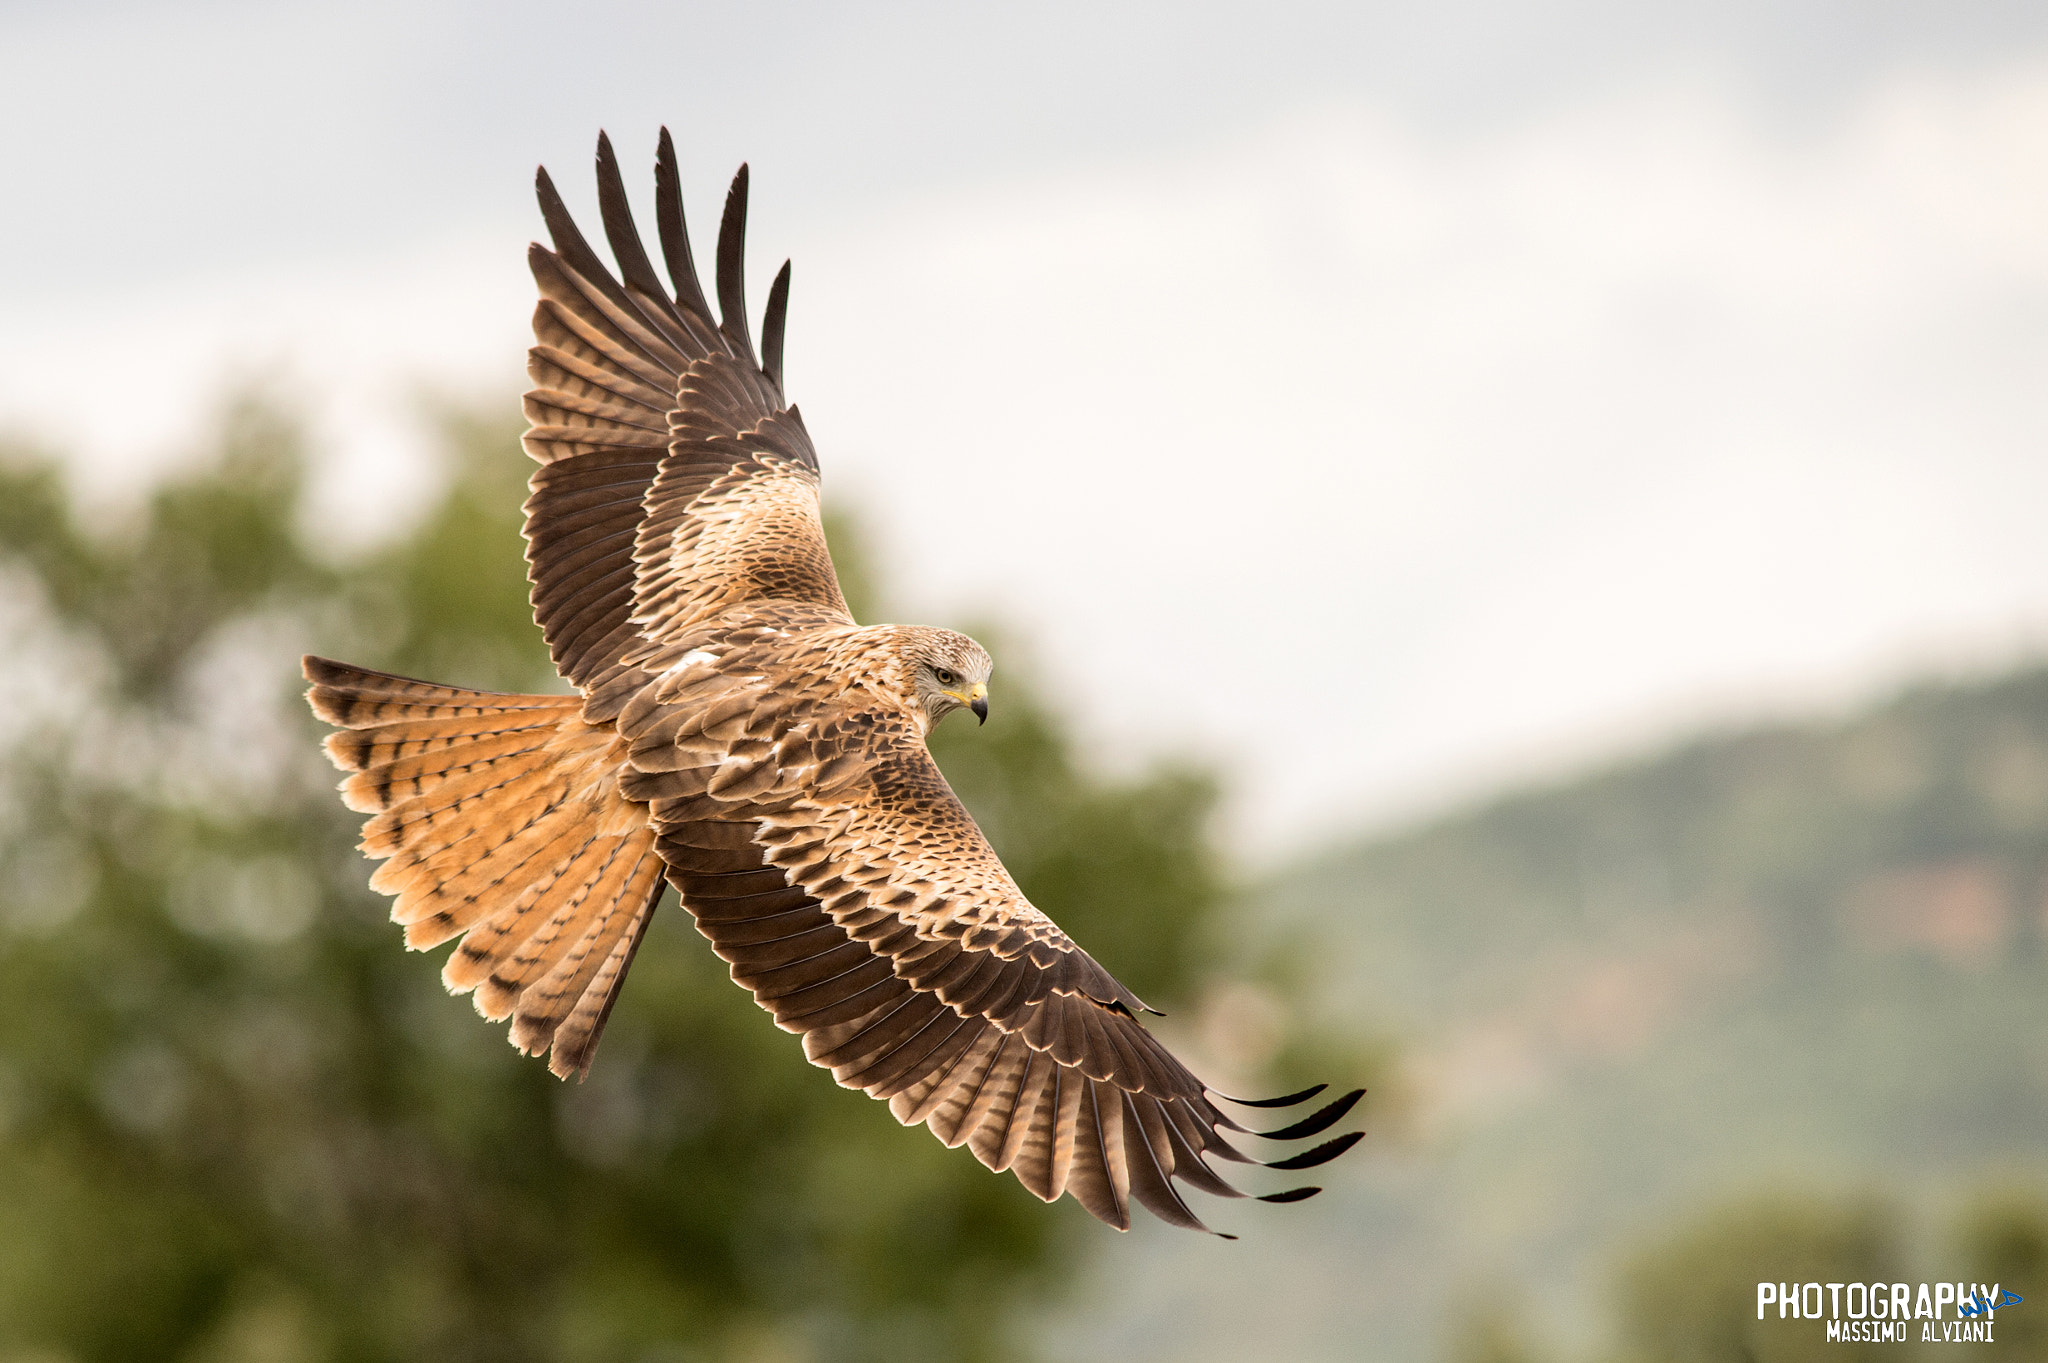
977,701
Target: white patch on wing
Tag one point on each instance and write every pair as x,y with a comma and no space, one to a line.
692,658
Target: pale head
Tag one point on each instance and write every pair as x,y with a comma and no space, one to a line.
947,671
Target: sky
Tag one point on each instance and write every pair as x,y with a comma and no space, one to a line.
1379,401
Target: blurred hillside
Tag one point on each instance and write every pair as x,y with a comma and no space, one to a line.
238,1122
1837,921
1772,998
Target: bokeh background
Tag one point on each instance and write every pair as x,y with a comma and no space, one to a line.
1512,536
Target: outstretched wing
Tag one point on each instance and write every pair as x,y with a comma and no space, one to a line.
674,482
824,855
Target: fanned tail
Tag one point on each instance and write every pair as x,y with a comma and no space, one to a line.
499,820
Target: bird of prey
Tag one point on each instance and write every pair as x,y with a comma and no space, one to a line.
735,734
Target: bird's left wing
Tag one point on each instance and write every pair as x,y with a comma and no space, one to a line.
823,854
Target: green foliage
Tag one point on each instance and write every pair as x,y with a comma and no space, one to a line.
237,1121
1492,1327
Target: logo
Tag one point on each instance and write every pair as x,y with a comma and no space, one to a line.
1980,1305
1891,1312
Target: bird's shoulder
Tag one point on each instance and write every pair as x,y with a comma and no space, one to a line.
780,665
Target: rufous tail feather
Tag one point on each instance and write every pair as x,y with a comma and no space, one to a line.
499,820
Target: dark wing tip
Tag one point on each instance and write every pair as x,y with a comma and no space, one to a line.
732,251
554,211
674,232
1321,1120
1288,1101
623,236
771,325
1292,1195
1322,1154
544,190
608,173
569,244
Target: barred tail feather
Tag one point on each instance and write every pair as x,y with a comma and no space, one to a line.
499,820
576,1038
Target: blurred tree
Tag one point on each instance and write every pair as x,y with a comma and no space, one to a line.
1692,1298
1490,1325
238,1122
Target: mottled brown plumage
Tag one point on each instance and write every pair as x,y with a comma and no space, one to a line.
738,735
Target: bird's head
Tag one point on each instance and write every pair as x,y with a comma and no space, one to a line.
949,672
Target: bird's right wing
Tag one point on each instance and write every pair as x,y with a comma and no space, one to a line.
822,852
675,482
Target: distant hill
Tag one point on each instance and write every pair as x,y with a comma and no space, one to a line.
1802,958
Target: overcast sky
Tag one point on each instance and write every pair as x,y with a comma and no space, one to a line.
1380,400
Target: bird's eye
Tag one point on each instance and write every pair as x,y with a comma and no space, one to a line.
945,676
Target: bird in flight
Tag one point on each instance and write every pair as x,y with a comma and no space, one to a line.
736,734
